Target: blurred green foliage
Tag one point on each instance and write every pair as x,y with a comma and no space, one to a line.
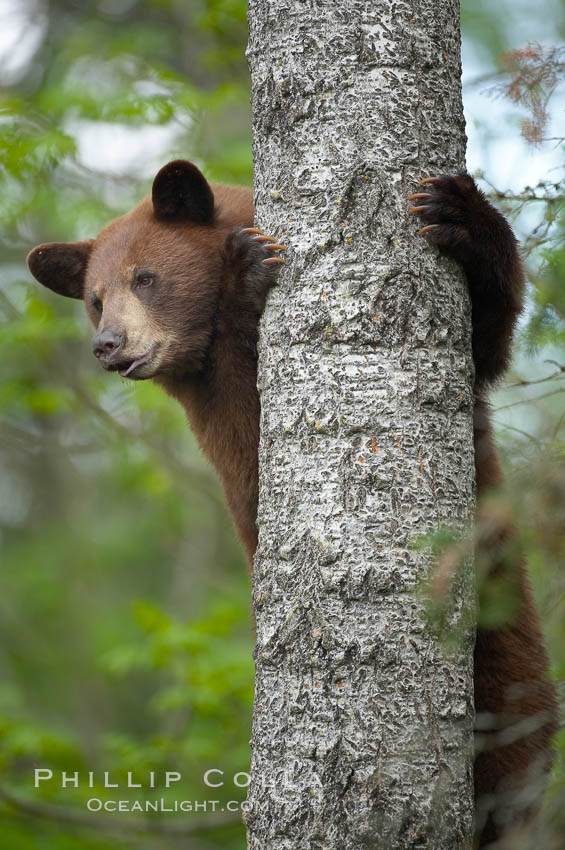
126,631
126,637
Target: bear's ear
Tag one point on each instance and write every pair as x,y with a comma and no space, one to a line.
180,191
61,266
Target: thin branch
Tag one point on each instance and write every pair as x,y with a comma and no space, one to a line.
525,196
518,431
202,476
551,607
522,382
527,400
482,78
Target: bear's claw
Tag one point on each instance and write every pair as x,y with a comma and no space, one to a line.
263,238
251,230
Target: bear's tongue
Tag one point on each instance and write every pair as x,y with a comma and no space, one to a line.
125,372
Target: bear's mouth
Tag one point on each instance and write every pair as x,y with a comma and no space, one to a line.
125,371
126,368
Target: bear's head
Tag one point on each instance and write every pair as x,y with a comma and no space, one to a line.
150,280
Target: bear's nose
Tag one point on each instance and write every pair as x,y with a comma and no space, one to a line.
107,343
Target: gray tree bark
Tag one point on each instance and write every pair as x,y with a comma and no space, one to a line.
363,723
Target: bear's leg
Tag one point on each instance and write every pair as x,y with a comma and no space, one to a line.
514,700
515,704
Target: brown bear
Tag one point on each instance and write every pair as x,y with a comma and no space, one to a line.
175,290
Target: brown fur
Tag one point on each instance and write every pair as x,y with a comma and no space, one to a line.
182,287
515,704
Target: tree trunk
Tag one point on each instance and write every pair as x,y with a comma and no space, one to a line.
363,722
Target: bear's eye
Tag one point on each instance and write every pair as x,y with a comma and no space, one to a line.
97,304
144,278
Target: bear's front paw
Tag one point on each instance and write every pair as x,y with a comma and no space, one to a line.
268,243
449,207
250,254
249,245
